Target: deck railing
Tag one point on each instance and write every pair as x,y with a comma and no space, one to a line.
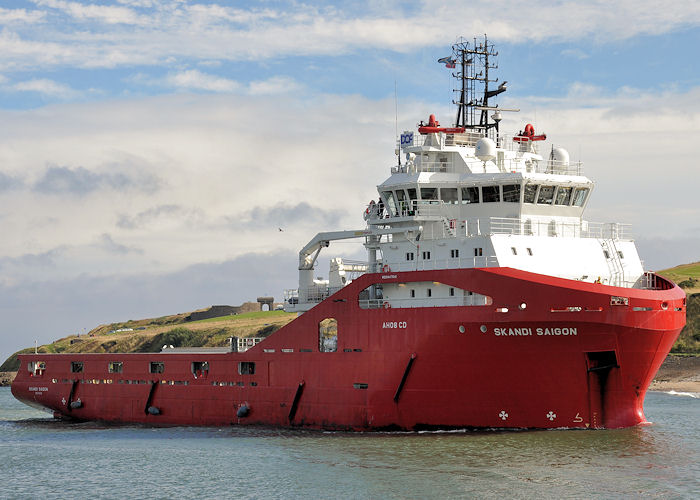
503,141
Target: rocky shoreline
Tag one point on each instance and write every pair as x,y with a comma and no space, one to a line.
6,378
677,373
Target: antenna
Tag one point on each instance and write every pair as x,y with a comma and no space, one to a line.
475,60
396,120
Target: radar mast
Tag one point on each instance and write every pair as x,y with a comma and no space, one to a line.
475,60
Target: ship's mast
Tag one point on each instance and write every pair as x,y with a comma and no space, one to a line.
474,68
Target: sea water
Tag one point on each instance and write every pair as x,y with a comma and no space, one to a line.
44,458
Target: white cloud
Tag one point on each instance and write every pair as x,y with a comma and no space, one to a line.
45,87
274,85
8,16
196,80
93,12
149,33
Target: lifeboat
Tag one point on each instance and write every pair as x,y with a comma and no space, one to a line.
529,135
433,127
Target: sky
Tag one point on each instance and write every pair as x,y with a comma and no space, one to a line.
150,150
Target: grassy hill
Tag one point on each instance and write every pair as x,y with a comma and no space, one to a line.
687,276
149,335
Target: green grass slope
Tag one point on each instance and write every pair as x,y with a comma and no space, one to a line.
149,335
687,276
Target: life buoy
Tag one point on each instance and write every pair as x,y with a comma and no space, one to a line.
386,268
387,305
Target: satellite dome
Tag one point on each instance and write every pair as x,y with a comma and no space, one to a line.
485,149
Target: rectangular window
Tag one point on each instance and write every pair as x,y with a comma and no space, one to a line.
328,335
401,201
580,196
199,368
512,249
430,292
115,367
478,252
530,192
454,253
449,195
563,196
409,255
546,195
157,367
429,194
491,194
413,294
426,255
412,203
511,193
470,195
246,368
452,292
76,367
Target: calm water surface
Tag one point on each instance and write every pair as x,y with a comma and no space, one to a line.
40,457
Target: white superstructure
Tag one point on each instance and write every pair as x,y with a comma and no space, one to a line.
468,196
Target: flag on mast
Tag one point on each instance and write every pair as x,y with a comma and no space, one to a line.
447,61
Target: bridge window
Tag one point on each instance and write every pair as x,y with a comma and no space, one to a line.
546,195
328,335
429,194
390,202
563,196
491,193
511,193
470,195
401,201
580,196
76,366
449,195
478,252
530,192
115,367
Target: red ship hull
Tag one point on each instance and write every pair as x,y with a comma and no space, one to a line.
547,353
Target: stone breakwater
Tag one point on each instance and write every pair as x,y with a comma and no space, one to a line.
6,378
